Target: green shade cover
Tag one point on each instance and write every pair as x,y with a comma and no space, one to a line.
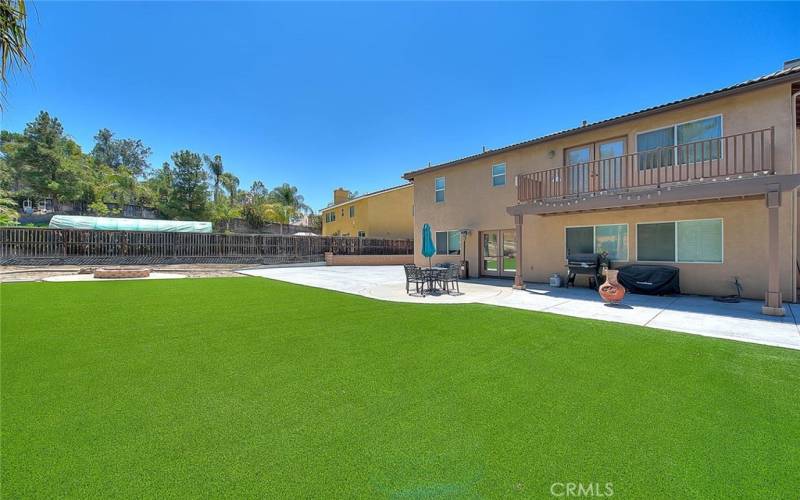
120,224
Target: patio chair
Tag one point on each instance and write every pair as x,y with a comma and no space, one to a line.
450,277
414,275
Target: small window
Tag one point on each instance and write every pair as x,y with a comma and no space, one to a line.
352,211
656,242
362,234
342,211
439,188
499,174
448,242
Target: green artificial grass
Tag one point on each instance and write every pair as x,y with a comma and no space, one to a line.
247,387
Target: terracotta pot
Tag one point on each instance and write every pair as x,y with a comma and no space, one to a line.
611,291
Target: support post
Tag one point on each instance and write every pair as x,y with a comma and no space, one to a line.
773,302
518,283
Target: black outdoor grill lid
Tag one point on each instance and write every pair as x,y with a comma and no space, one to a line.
583,259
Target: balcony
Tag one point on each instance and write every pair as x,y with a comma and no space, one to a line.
718,160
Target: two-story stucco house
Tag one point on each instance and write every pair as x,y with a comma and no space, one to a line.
381,214
706,184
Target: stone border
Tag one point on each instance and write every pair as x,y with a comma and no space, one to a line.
118,273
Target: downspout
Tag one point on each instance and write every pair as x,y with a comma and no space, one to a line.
794,165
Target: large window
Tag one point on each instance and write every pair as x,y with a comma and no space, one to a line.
352,211
609,238
448,242
499,174
439,188
330,216
681,241
704,130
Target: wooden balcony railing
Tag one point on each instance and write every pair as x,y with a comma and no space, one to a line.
720,158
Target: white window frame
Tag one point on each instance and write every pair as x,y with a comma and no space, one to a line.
675,135
675,223
503,175
362,234
594,238
448,231
436,190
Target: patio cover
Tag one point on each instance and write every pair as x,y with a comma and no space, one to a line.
120,224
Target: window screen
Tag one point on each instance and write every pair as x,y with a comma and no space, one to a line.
580,240
439,189
700,130
454,242
700,241
612,239
441,242
656,242
499,174
650,141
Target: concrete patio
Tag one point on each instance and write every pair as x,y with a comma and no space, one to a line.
742,321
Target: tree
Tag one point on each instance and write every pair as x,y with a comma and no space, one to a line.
8,209
189,196
315,221
13,41
49,163
216,169
117,153
160,184
224,211
287,196
231,184
258,189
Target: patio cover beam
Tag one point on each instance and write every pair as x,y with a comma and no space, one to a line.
769,186
707,190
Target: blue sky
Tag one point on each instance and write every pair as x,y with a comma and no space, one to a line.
323,95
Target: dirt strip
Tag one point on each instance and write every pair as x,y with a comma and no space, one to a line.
10,274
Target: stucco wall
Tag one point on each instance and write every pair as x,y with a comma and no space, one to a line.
384,215
391,215
471,201
367,260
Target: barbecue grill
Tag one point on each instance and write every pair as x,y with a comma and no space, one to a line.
590,264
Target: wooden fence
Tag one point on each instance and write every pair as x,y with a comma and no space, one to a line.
32,246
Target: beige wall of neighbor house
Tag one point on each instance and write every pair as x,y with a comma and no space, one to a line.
383,214
471,201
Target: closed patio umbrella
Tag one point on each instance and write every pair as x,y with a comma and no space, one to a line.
428,249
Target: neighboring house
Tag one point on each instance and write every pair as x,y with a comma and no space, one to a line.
383,214
705,184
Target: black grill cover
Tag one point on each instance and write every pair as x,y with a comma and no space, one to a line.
649,280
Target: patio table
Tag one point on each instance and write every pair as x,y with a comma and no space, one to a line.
431,274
